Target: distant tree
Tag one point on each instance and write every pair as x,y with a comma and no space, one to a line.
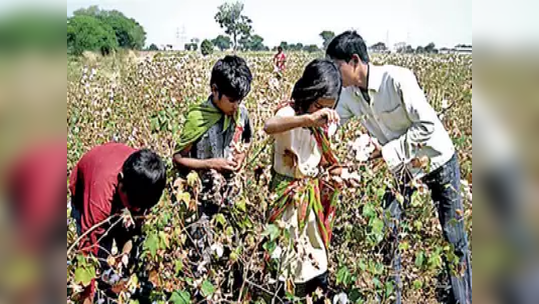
380,46
129,33
230,18
222,42
405,49
327,36
409,49
206,48
256,43
87,33
153,47
92,10
193,45
252,43
296,47
244,43
313,48
430,48
420,50
284,45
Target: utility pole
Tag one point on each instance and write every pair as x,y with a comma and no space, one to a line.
181,38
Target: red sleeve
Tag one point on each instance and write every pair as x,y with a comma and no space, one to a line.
96,211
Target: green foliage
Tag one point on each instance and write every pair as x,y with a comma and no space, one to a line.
380,46
85,272
296,47
192,46
127,32
273,232
253,43
153,47
222,42
312,48
206,47
344,277
87,33
235,24
207,289
151,244
327,36
180,297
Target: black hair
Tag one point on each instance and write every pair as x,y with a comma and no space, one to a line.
280,48
345,45
232,77
144,179
321,79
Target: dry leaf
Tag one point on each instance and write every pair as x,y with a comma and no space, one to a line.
128,246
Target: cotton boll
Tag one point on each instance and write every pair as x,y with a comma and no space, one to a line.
363,146
218,249
341,298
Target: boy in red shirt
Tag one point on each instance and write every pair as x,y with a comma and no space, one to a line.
107,180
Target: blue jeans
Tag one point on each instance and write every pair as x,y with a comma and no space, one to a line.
445,186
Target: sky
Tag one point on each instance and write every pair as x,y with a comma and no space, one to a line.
417,22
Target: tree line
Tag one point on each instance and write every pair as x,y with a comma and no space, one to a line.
93,29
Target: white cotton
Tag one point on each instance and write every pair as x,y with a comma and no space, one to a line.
218,249
363,147
341,298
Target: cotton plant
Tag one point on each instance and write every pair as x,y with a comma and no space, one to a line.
362,147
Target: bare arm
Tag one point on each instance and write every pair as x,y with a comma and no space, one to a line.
279,124
217,164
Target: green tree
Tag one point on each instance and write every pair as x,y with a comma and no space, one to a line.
153,47
284,45
87,33
313,48
129,33
296,47
237,25
430,48
253,43
206,48
222,42
380,46
327,36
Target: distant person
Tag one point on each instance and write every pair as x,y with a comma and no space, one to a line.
279,61
107,180
214,130
306,203
393,108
